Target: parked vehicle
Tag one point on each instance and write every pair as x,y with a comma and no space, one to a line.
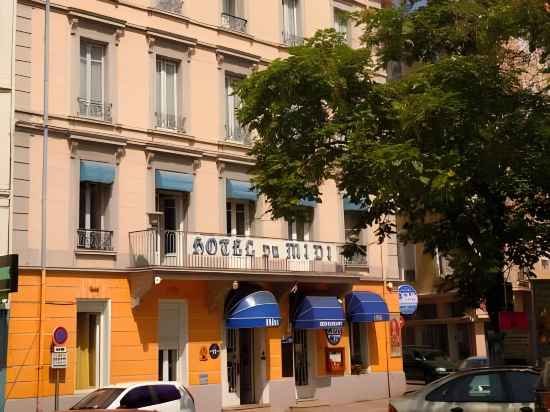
542,403
158,396
474,362
426,364
505,389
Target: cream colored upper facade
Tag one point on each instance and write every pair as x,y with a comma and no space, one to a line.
142,88
7,41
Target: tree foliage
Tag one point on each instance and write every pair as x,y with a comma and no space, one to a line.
459,144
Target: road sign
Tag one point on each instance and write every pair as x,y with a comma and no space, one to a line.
408,299
9,273
59,357
60,335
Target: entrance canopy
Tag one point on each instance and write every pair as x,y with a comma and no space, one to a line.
366,307
319,312
255,310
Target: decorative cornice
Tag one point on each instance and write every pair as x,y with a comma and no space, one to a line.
221,168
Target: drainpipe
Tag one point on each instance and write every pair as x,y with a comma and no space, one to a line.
43,250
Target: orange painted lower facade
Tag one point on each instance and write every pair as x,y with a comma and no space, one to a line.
129,342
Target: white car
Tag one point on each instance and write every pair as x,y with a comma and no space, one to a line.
506,389
157,396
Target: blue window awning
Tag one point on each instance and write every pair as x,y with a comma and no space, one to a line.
236,189
256,310
96,172
319,312
350,206
307,203
366,307
175,181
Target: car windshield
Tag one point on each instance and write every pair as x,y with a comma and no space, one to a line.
98,399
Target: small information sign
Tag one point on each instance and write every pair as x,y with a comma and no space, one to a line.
59,357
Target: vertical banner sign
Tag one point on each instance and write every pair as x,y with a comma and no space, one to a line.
395,336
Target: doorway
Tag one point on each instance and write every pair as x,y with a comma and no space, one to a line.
303,364
172,224
172,340
92,339
240,365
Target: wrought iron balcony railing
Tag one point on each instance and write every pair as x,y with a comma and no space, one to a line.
94,109
95,239
237,133
170,121
172,6
292,39
234,22
189,250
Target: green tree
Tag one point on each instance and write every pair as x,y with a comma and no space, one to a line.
458,144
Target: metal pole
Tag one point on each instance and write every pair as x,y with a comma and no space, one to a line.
44,195
385,323
56,396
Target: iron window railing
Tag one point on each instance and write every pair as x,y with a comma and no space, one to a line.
292,40
172,6
234,22
94,109
170,121
95,239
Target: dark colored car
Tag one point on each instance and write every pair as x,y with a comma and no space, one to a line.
426,364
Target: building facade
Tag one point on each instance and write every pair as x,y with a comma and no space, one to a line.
7,90
161,262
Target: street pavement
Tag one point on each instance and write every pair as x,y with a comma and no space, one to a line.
379,405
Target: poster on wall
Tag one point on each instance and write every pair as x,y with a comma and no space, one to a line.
395,336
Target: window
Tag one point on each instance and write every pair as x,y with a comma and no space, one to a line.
167,97
91,100
522,386
483,387
139,397
93,216
233,15
299,230
234,131
166,393
172,339
238,219
353,236
359,346
406,255
99,399
341,24
291,34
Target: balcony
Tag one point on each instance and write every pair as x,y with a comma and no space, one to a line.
187,250
172,6
92,239
170,121
94,109
292,40
234,22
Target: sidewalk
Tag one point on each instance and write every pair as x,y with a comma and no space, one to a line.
380,405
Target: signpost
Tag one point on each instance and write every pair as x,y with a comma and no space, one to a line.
408,299
59,358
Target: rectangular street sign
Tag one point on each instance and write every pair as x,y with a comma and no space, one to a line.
9,273
59,357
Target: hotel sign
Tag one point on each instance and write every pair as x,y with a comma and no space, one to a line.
248,247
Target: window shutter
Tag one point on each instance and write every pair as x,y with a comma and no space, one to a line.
83,71
171,94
